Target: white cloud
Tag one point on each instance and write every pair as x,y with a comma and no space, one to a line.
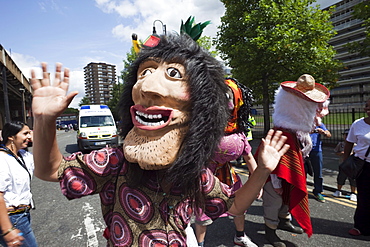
139,16
77,83
27,63
135,17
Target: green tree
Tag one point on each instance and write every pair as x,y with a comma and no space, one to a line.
71,111
362,11
130,57
266,42
206,42
84,101
118,87
113,102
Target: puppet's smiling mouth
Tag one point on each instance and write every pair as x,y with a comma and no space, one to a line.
151,118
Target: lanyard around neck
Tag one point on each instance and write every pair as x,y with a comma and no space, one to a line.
19,158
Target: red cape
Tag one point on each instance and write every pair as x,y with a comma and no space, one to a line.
291,170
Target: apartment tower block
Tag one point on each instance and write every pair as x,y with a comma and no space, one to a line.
99,81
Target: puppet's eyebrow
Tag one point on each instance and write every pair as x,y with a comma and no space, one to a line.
154,59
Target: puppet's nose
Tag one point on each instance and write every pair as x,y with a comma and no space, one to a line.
155,85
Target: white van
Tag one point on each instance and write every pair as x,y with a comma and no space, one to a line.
96,127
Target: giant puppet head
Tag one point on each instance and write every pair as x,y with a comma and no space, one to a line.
174,107
296,103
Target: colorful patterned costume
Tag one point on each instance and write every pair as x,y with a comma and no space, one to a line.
130,212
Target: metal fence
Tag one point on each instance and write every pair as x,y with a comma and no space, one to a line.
336,122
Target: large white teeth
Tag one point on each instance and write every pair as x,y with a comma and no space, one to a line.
148,116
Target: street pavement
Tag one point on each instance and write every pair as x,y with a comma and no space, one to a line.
58,222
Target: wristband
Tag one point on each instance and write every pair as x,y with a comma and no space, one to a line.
5,233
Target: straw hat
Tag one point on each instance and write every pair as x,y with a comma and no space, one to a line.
306,88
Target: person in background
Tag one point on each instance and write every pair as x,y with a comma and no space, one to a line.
252,123
16,171
285,193
341,178
232,145
315,155
359,133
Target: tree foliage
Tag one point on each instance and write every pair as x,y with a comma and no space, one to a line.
266,42
70,111
84,101
118,87
362,11
206,42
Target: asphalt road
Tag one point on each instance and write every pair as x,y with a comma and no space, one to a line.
58,222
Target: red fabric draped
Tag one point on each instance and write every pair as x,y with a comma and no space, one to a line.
291,170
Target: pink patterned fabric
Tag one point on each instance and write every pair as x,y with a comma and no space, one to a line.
144,215
232,147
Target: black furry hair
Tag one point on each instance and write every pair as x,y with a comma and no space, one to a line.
244,111
209,112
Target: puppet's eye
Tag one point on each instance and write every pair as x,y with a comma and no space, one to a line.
175,73
146,72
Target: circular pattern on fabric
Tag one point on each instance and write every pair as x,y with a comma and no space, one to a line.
207,181
98,162
108,218
124,168
184,212
226,190
76,183
72,156
121,234
107,193
215,207
136,204
159,238
175,239
150,181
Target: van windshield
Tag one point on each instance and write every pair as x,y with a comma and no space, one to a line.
96,121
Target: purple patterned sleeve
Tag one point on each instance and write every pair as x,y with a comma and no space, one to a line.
81,175
219,196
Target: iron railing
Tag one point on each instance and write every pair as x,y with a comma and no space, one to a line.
336,122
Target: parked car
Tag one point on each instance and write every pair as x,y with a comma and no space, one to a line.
63,127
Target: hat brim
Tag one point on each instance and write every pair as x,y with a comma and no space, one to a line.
319,94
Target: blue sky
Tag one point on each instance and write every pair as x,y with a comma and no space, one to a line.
77,32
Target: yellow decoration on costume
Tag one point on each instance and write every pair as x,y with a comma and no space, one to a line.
135,43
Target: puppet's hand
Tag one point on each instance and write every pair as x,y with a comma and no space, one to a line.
51,100
272,148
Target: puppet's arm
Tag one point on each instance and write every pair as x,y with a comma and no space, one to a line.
49,101
272,148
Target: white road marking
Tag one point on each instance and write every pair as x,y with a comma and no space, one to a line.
92,240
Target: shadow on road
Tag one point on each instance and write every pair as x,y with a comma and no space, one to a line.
71,148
